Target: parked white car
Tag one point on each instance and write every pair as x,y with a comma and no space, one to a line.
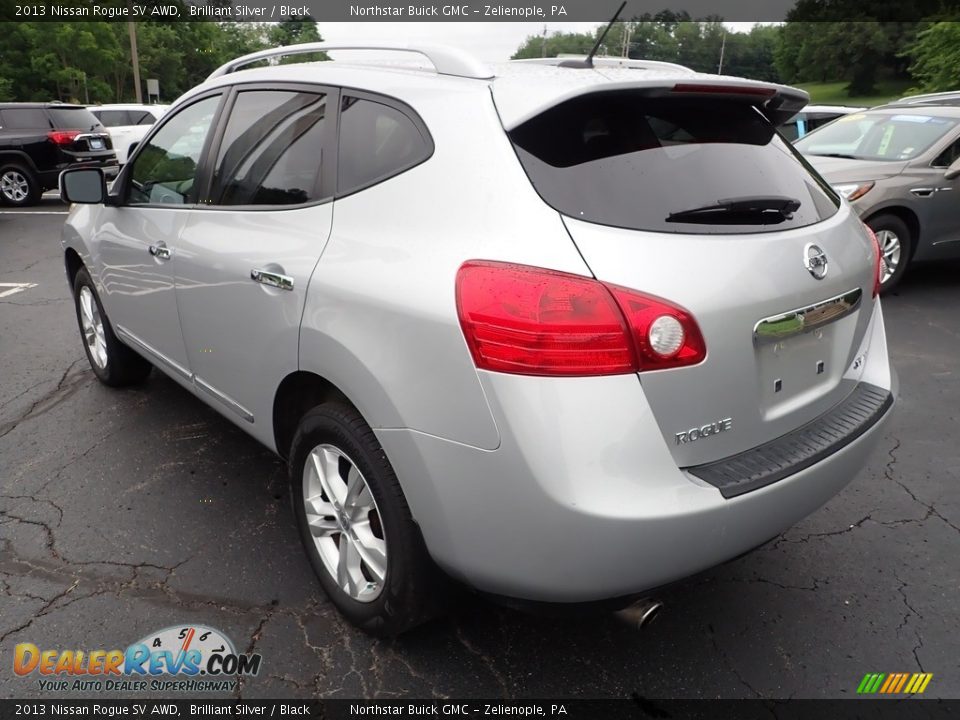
127,124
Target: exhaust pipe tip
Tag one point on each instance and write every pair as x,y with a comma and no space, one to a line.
642,613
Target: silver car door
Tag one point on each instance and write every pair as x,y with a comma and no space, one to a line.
246,258
137,236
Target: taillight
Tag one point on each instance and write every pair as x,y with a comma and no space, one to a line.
530,321
879,266
63,137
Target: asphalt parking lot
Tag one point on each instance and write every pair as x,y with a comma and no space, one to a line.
124,512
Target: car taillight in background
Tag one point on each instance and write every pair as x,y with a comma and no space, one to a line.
879,266
531,321
63,137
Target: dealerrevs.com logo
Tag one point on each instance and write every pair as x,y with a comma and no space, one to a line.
185,658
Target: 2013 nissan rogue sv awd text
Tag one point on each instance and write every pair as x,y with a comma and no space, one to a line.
565,334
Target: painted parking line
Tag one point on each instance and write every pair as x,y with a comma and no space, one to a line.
14,288
34,212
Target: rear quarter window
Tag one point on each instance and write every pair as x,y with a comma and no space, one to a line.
24,119
628,160
377,142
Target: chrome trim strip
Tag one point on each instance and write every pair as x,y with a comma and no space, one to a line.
229,402
153,352
795,322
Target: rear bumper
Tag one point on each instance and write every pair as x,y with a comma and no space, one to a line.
583,501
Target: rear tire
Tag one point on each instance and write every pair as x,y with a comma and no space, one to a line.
367,552
18,186
111,361
896,245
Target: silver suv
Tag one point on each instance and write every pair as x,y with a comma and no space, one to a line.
564,334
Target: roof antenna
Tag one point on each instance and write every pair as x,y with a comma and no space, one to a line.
588,61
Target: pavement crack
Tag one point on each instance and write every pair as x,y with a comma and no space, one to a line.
732,665
251,646
488,661
49,400
41,612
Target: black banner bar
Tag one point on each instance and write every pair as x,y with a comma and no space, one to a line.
866,709
537,11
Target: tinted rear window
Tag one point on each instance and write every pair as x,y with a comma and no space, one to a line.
627,160
73,119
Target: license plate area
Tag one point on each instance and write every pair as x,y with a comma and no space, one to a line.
96,143
802,355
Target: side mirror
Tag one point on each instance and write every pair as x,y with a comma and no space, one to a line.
133,146
953,171
83,185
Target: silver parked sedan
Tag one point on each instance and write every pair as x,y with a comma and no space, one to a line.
564,334
899,167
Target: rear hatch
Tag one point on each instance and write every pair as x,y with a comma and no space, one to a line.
690,194
79,135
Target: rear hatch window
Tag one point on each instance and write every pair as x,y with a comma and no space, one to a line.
670,164
65,118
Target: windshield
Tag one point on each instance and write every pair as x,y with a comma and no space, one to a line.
877,136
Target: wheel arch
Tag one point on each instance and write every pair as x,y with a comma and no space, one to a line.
297,393
72,262
18,157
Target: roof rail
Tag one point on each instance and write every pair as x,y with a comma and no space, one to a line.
446,60
612,62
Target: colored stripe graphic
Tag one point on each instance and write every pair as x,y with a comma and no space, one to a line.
894,683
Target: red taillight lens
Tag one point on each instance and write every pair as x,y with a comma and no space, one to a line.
665,334
530,321
879,267
63,137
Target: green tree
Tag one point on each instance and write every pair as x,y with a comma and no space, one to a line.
936,57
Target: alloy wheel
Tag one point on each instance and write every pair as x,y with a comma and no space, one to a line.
14,186
345,523
92,324
890,248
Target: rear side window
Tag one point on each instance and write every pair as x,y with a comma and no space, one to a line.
24,119
377,141
73,119
272,150
676,165
114,118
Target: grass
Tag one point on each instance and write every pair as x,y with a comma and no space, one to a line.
835,93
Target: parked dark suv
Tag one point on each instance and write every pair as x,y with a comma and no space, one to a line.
38,140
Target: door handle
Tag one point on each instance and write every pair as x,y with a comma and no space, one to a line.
283,282
928,191
161,251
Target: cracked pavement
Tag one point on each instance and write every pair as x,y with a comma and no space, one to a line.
123,512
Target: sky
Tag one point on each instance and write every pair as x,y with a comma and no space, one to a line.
490,42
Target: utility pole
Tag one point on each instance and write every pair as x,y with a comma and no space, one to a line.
543,44
135,56
723,45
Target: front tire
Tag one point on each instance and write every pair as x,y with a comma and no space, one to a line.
18,186
896,246
356,526
111,361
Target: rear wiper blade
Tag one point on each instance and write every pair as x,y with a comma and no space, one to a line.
836,155
762,210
